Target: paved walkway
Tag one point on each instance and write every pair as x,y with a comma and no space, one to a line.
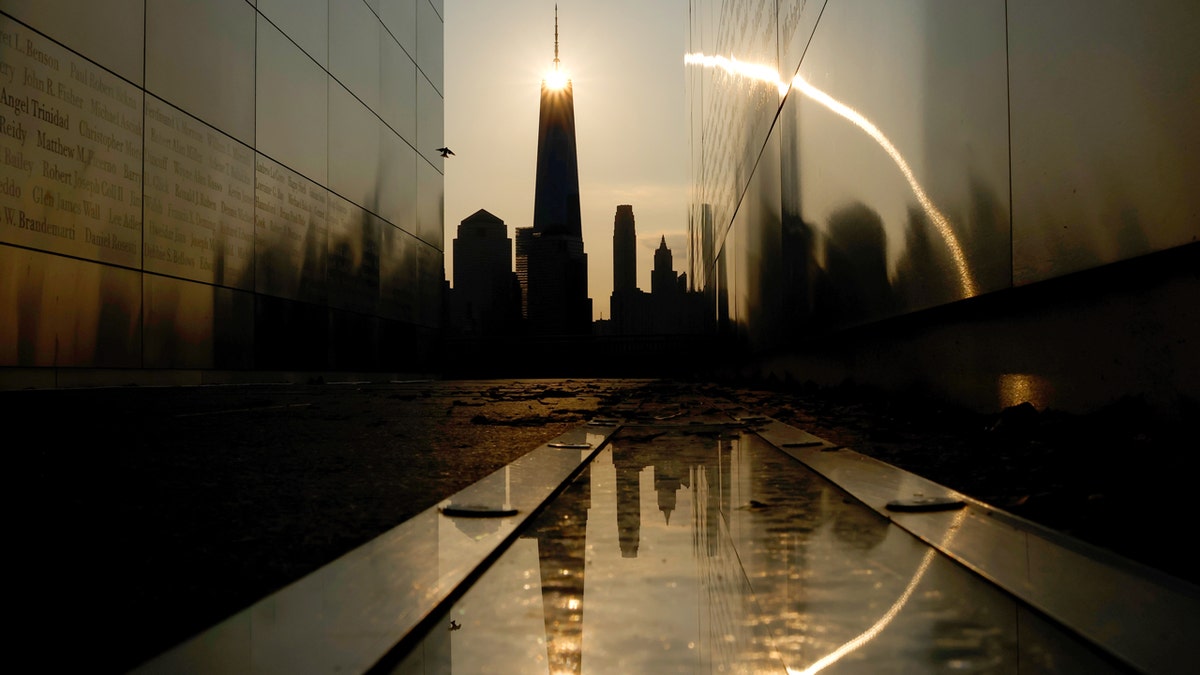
153,513
693,536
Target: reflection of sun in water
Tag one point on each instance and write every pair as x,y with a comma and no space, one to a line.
770,76
556,79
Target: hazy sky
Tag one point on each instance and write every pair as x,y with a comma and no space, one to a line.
626,60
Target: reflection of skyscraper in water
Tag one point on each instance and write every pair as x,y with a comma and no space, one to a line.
561,535
667,474
667,481
629,500
556,284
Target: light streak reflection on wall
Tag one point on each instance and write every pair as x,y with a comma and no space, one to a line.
770,76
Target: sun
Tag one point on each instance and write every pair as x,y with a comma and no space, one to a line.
556,79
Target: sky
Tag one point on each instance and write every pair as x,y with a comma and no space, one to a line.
625,58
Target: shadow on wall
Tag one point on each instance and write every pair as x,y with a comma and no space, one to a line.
846,284
926,273
840,279
856,286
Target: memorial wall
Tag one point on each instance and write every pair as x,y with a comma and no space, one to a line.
856,163
219,185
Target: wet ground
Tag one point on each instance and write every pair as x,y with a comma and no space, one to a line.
145,515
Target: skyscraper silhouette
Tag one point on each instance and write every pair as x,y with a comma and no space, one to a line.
624,250
486,298
663,281
557,301
626,303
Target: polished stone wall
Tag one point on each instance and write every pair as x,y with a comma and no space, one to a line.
856,161
220,185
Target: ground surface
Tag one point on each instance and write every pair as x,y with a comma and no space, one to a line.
149,514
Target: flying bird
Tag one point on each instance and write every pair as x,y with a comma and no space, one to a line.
446,152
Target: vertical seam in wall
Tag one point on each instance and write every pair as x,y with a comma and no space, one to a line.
329,78
254,206
1008,99
778,45
142,258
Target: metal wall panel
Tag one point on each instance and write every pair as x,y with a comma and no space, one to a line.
431,205
759,262
291,233
398,89
739,110
895,159
398,176
292,110
797,21
398,274
895,145
306,22
354,37
400,18
352,263
430,122
57,311
109,33
430,275
199,199
251,150
200,58
191,325
1105,144
71,144
430,43
354,149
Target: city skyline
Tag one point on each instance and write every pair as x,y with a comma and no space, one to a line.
626,61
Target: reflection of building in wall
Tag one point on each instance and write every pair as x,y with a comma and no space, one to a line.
669,308
486,296
823,211
278,207
556,298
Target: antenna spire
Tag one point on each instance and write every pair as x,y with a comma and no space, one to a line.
556,36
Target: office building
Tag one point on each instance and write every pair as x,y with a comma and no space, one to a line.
557,301
670,308
663,281
486,296
194,189
624,250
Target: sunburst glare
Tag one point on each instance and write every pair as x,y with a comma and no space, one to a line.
556,79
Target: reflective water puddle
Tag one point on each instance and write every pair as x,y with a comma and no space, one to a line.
707,550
